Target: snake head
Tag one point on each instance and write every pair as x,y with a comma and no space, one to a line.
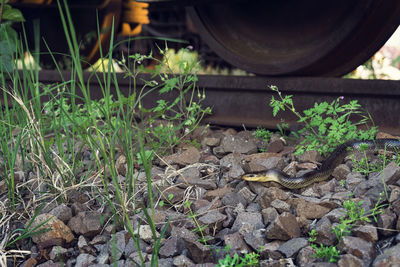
252,177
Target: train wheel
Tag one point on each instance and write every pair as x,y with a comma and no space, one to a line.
319,38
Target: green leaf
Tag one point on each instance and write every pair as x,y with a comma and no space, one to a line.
13,15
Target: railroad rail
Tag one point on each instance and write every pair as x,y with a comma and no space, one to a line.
244,100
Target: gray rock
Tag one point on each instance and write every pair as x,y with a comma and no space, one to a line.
284,227
387,223
255,239
353,179
192,172
232,199
238,144
348,260
270,250
50,263
305,257
118,241
130,247
103,256
391,257
263,164
236,242
205,183
77,196
367,232
186,157
276,145
291,248
310,210
269,194
169,262
84,260
280,205
395,193
198,252
376,192
57,253
358,247
232,164
62,212
251,218
99,239
182,261
211,141
246,193
253,207
341,171
335,215
324,188
396,206
145,233
310,156
269,215
325,234
86,223
212,217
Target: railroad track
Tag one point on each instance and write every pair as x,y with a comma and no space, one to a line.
244,101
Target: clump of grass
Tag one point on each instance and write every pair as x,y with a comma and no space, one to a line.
354,214
248,259
50,137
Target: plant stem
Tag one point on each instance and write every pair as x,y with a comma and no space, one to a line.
1,9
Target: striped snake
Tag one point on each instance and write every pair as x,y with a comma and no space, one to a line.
327,166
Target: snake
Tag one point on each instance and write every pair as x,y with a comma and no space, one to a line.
327,166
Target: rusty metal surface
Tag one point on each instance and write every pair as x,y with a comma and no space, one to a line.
303,38
244,101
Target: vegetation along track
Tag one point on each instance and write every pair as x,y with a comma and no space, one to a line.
243,100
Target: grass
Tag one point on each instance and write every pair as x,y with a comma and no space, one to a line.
354,214
50,137
248,259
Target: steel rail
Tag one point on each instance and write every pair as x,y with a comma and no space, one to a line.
244,100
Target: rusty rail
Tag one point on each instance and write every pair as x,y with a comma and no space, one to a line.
243,101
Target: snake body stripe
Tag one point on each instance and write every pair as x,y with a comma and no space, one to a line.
327,167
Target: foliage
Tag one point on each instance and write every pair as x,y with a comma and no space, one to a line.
180,115
74,142
8,36
365,167
326,124
199,228
248,259
263,134
354,213
326,253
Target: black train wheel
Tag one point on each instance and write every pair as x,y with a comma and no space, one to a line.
293,37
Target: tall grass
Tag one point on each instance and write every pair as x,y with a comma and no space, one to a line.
49,137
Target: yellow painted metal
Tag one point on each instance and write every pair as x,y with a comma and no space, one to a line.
134,15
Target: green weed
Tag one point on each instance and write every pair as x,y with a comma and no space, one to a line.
199,228
325,124
248,259
263,134
354,213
